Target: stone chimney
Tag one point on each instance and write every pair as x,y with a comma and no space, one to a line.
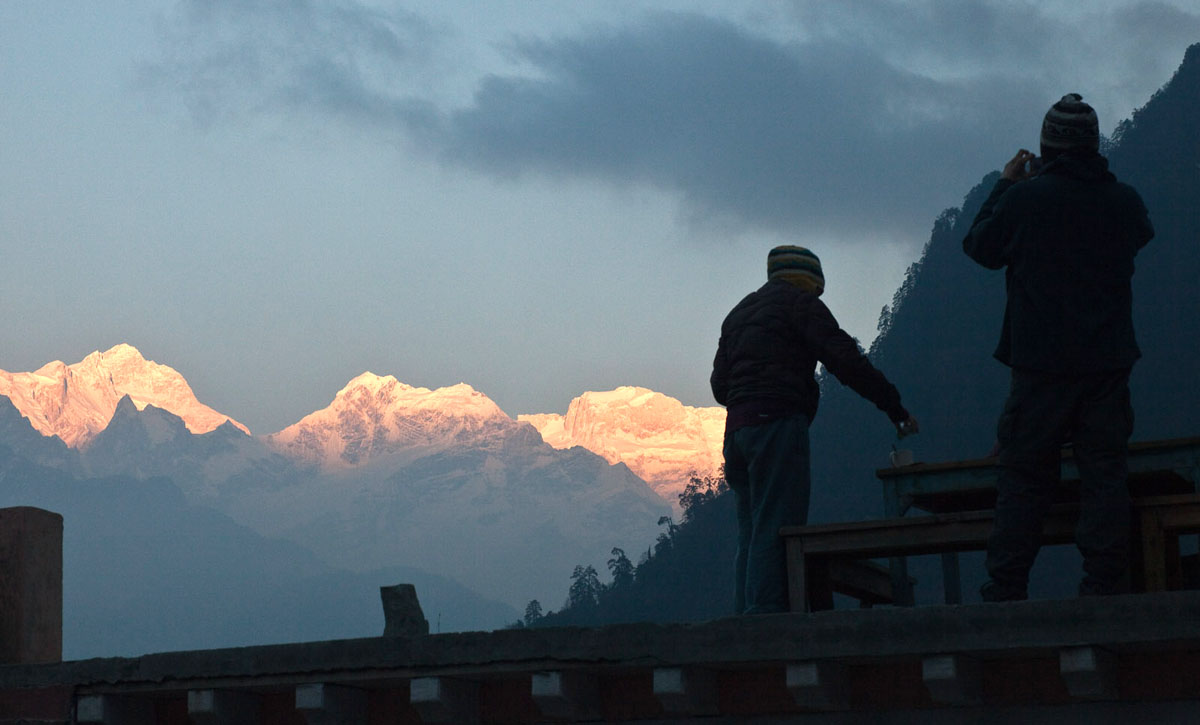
30,585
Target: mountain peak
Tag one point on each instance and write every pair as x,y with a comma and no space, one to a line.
662,440
125,407
150,425
1191,56
376,415
75,402
370,380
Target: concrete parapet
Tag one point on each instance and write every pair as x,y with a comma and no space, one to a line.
30,585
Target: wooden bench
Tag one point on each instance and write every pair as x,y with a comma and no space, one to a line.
1159,521
868,582
815,552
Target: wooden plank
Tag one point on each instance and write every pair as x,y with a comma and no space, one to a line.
889,523
1155,468
1180,450
819,555
1180,520
866,581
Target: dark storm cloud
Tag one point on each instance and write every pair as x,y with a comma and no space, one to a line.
966,36
879,115
822,135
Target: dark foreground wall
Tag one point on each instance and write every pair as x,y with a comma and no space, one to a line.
1116,659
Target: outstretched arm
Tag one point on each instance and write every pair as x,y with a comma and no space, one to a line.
841,356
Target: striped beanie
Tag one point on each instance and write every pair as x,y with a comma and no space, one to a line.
1070,123
796,265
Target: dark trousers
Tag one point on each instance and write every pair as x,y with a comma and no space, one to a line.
767,467
1042,413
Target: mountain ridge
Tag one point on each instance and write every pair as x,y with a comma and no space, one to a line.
373,420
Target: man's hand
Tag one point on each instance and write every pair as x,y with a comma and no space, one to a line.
907,427
1017,168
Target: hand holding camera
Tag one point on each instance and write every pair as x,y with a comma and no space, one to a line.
1021,166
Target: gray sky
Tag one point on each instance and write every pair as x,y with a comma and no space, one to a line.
536,198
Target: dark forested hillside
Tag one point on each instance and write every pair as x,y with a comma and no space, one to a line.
686,575
936,344
938,340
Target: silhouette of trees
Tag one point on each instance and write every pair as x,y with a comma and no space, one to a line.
621,569
585,588
701,490
533,613
687,576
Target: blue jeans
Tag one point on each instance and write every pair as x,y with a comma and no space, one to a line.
767,468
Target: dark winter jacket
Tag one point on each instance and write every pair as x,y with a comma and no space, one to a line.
768,353
1068,237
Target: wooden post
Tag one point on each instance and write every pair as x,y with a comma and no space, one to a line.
30,586
797,575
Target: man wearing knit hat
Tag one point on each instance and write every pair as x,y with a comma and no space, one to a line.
763,374
1066,232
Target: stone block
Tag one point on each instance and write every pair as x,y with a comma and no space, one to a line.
222,707
1089,672
402,615
819,685
31,596
445,700
686,690
952,679
114,710
566,694
323,704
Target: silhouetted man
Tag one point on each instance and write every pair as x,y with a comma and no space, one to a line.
764,375
1067,232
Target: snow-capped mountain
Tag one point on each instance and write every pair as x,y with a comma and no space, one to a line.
75,402
387,475
661,440
374,417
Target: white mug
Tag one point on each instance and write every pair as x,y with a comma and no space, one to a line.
901,457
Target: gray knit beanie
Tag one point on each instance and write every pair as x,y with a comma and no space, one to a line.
1070,124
